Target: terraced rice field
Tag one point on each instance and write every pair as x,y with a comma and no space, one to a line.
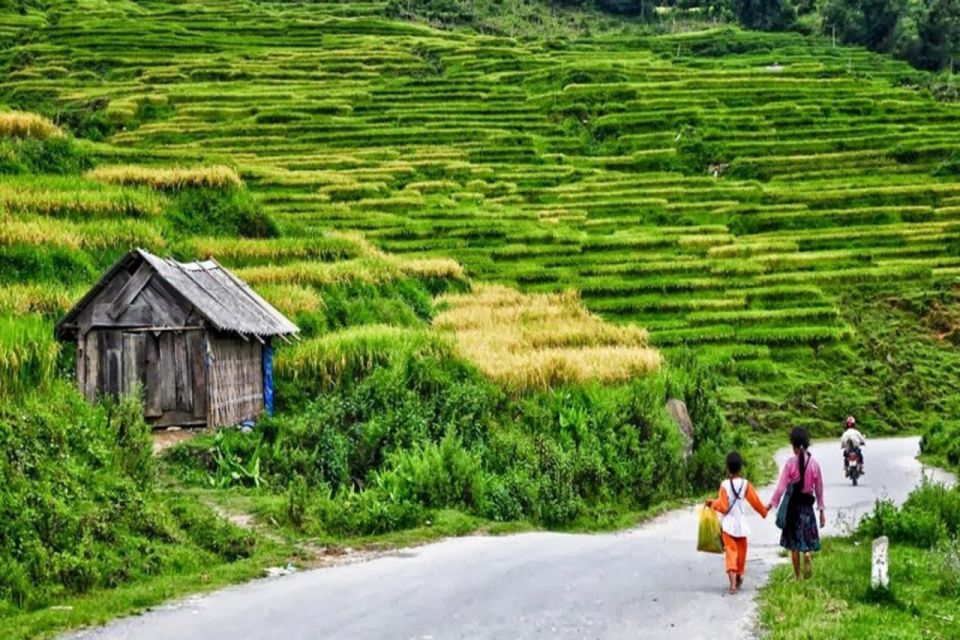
722,202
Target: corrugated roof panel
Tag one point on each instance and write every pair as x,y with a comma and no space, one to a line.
224,300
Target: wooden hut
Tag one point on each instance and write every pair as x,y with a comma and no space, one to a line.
196,338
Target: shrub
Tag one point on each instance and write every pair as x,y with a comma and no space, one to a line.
434,475
231,212
210,532
54,155
930,515
949,167
949,554
694,152
942,438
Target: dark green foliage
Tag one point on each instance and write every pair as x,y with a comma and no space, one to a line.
871,23
942,439
418,434
210,532
447,13
926,34
56,154
695,153
77,505
949,167
711,437
229,212
24,263
765,15
930,515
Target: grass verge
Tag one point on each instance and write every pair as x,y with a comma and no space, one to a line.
838,601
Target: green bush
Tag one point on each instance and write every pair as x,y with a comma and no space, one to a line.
56,154
210,532
383,447
227,212
942,438
78,505
27,263
949,166
929,516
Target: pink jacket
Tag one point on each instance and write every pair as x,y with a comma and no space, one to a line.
812,482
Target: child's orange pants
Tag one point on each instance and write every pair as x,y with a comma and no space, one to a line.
735,552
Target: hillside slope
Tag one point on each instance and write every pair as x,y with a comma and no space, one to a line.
783,207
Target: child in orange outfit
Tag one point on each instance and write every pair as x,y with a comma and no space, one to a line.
734,491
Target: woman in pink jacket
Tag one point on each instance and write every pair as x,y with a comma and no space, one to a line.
800,533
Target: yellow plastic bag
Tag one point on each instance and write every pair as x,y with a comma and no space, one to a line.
709,540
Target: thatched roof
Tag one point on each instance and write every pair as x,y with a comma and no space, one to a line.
222,299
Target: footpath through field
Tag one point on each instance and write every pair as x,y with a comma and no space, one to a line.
643,583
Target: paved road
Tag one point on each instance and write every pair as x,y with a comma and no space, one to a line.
645,583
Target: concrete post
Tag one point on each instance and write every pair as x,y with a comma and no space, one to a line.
880,574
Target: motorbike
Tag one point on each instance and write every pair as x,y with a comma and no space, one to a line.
851,465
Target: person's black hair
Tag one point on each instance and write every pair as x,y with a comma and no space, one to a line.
799,438
734,462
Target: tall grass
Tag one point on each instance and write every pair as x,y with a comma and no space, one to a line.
348,355
292,299
43,299
39,230
168,178
535,341
319,274
75,198
249,250
28,354
21,124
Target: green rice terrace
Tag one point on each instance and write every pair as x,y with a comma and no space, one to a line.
502,253
725,190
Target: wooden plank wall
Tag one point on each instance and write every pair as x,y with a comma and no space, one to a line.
170,366
236,380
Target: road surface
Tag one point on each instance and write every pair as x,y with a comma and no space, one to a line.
644,583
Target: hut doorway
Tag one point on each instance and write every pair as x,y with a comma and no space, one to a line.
170,366
175,376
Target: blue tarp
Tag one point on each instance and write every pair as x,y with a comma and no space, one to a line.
268,378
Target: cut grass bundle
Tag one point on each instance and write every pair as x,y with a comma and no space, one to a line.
535,341
21,124
168,178
28,354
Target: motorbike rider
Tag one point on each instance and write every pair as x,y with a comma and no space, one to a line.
852,439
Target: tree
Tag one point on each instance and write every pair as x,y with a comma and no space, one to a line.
937,45
766,15
871,23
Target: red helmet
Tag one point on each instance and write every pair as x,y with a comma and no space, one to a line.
851,421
